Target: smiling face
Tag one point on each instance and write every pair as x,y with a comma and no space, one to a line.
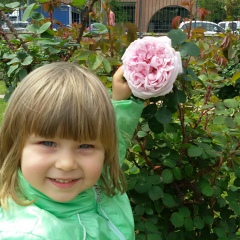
61,168
65,100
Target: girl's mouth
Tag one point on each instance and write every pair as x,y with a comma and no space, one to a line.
63,183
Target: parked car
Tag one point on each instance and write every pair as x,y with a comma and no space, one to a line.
211,28
233,26
95,29
18,25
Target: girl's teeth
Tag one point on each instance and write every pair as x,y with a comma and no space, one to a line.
63,181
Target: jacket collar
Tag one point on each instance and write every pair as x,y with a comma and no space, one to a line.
82,203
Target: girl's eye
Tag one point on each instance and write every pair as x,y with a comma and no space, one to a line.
86,146
48,143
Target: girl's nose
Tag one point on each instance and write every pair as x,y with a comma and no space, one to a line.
66,161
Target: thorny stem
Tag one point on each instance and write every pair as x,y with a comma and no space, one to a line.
4,35
85,20
213,201
13,30
109,32
206,100
144,156
183,127
148,162
236,149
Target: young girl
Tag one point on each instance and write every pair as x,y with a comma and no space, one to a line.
60,176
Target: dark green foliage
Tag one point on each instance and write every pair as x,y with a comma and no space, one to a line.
183,163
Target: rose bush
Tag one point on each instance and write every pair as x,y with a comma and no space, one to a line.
151,66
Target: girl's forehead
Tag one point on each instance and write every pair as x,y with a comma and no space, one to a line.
37,138
97,139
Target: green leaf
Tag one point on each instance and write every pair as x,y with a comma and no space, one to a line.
131,184
207,191
37,16
155,126
167,175
229,122
237,171
154,236
177,219
188,170
177,173
237,118
79,55
150,227
27,11
101,27
208,219
168,200
27,61
48,41
177,36
235,77
184,211
21,55
188,224
192,74
169,163
235,207
32,28
142,134
149,111
117,46
170,100
181,96
190,48
94,61
13,61
219,120
155,193
8,56
195,151
107,65
221,202
198,222
221,233
12,69
139,209
231,103
139,225
163,115
44,27
22,74
12,5
143,186
149,211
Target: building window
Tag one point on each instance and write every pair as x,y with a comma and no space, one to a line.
76,15
124,11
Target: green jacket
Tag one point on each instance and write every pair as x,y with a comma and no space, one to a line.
91,215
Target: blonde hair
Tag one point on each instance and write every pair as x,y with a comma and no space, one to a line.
59,99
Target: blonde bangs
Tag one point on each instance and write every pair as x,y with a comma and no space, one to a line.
68,103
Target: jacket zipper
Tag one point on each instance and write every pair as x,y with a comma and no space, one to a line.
84,229
110,223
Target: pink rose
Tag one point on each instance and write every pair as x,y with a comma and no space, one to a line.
151,66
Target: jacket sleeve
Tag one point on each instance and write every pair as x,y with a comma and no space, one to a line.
127,114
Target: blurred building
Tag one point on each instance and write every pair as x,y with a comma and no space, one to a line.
148,15
152,15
